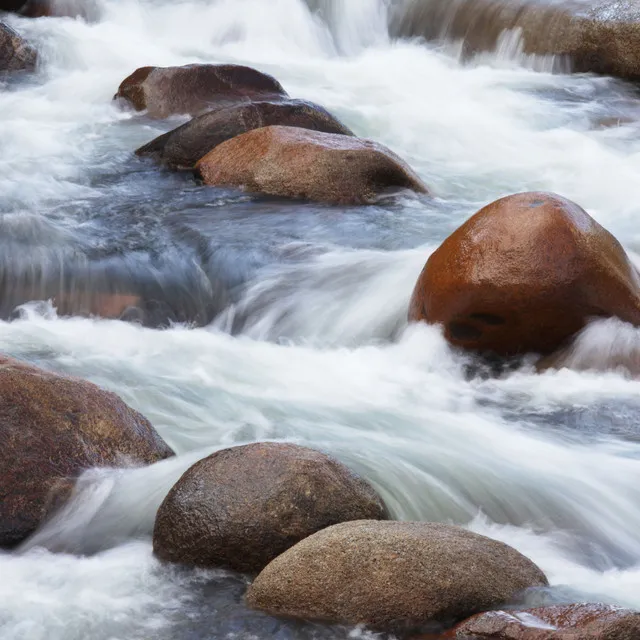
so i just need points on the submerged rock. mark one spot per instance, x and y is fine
(241, 507)
(195, 88)
(184, 146)
(52, 428)
(561, 622)
(602, 36)
(15, 53)
(86, 9)
(296, 163)
(392, 576)
(524, 274)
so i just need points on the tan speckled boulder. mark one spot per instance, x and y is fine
(392, 576)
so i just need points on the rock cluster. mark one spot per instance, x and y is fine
(249, 134)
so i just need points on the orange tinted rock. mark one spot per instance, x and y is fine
(52, 428)
(524, 274)
(297, 163)
(94, 303)
(195, 88)
(562, 622)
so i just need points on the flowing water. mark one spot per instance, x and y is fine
(287, 321)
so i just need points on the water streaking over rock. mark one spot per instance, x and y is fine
(287, 321)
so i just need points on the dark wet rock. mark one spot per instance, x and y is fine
(195, 88)
(184, 146)
(241, 507)
(561, 622)
(602, 36)
(11, 5)
(393, 576)
(15, 53)
(525, 274)
(52, 428)
(297, 163)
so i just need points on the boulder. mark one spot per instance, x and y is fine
(184, 146)
(297, 163)
(602, 36)
(241, 507)
(194, 88)
(561, 622)
(15, 53)
(52, 428)
(524, 274)
(392, 576)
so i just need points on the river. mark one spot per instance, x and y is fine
(304, 306)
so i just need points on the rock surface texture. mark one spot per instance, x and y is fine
(562, 622)
(392, 576)
(15, 53)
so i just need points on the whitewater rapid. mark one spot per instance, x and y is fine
(309, 342)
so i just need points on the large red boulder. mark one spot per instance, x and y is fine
(195, 88)
(525, 274)
(298, 163)
(52, 428)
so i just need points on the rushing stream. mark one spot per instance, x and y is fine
(301, 309)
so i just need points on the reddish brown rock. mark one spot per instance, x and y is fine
(195, 88)
(184, 146)
(296, 163)
(562, 622)
(113, 305)
(524, 274)
(52, 428)
(392, 576)
(241, 507)
(15, 53)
